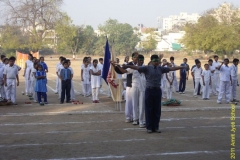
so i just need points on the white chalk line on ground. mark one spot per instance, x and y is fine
(76, 143)
(170, 109)
(146, 155)
(112, 130)
(56, 123)
(59, 113)
(107, 121)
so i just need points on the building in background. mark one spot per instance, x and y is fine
(178, 21)
(160, 23)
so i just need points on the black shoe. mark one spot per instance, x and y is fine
(149, 131)
(157, 131)
(68, 102)
(61, 102)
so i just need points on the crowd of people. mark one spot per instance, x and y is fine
(144, 87)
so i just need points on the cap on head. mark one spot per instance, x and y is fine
(154, 58)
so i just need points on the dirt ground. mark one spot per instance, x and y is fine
(196, 130)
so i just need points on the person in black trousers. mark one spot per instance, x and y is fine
(153, 93)
(66, 78)
(183, 76)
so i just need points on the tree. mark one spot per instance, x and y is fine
(67, 35)
(150, 43)
(34, 17)
(214, 31)
(125, 40)
(88, 39)
(11, 39)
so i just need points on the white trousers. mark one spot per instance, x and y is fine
(27, 82)
(234, 89)
(72, 92)
(138, 103)
(169, 92)
(57, 84)
(128, 105)
(215, 83)
(197, 82)
(34, 94)
(224, 89)
(2, 90)
(124, 94)
(164, 87)
(175, 84)
(86, 89)
(206, 90)
(59, 88)
(11, 90)
(95, 92)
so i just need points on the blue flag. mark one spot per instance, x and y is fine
(106, 64)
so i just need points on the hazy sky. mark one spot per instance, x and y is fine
(95, 12)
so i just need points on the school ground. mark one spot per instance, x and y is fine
(198, 129)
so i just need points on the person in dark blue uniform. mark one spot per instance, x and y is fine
(183, 76)
(153, 93)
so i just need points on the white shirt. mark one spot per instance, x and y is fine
(85, 74)
(71, 70)
(197, 72)
(33, 72)
(170, 76)
(29, 64)
(216, 64)
(60, 67)
(234, 72)
(211, 68)
(225, 73)
(164, 75)
(138, 79)
(1, 70)
(11, 71)
(206, 74)
(58, 64)
(174, 65)
(95, 80)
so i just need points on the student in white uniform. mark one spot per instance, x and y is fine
(101, 66)
(2, 91)
(196, 73)
(28, 66)
(57, 79)
(164, 81)
(2, 66)
(33, 81)
(234, 75)
(175, 82)
(86, 78)
(2, 59)
(206, 82)
(216, 76)
(58, 71)
(72, 92)
(138, 93)
(128, 104)
(225, 81)
(95, 71)
(212, 69)
(170, 79)
(10, 77)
